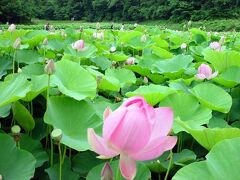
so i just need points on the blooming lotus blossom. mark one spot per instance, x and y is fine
(205, 72)
(79, 45)
(12, 28)
(183, 46)
(136, 131)
(215, 46)
(113, 49)
(130, 61)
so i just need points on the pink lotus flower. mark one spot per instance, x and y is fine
(136, 131)
(78, 45)
(205, 72)
(130, 61)
(215, 46)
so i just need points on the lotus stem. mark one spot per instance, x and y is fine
(60, 161)
(169, 166)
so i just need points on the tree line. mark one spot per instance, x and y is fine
(118, 10)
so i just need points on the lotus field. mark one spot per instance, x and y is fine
(139, 103)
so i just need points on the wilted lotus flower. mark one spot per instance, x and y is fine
(113, 49)
(78, 45)
(45, 41)
(215, 46)
(107, 173)
(50, 67)
(17, 43)
(205, 72)
(12, 28)
(144, 38)
(136, 131)
(183, 46)
(130, 61)
(222, 40)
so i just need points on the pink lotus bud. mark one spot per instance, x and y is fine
(222, 40)
(183, 46)
(107, 173)
(215, 46)
(113, 49)
(144, 38)
(17, 43)
(12, 28)
(137, 132)
(209, 34)
(1, 177)
(130, 61)
(45, 41)
(63, 34)
(205, 72)
(19, 70)
(50, 67)
(145, 80)
(98, 26)
(78, 45)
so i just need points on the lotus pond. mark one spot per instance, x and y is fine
(72, 101)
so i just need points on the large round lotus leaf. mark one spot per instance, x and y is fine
(109, 83)
(74, 81)
(117, 56)
(34, 147)
(142, 172)
(173, 67)
(126, 37)
(4, 66)
(209, 137)
(15, 164)
(73, 118)
(213, 97)
(28, 56)
(123, 75)
(230, 77)
(13, 89)
(34, 38)
(23, 116)
(160, 42)
(39, 84)
(5, 110)
(152, 93)
(162, 53)
(55, 44)
(223, 59)
(33, 69)
(187, 108)
(222, 162)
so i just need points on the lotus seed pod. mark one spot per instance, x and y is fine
(107, 173)
(50, 67)
(17, 43)
(56, 135)
(16, 130)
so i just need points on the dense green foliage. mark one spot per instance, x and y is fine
(98, 10)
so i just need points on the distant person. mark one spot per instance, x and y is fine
(47, 27)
